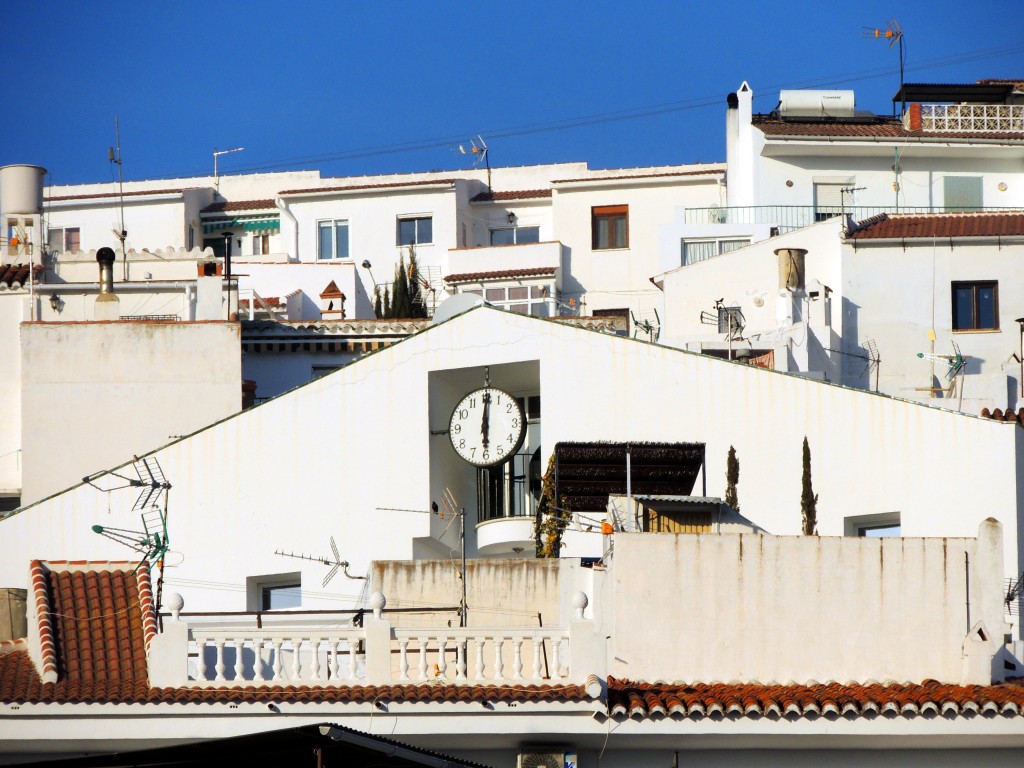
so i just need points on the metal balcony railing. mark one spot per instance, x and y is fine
(790, 217)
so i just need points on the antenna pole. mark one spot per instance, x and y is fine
(122, 235)
(462, 538)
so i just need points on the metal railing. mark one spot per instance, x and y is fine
(503, 491)
(790, 217)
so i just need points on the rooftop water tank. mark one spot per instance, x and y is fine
(816, 104)
(21, 189)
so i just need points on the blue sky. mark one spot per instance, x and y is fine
(361, 88)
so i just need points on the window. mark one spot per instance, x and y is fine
(515, 235)
(610, 225)
(332, 239)
(261, 244)
(64, 239)
(828, 201)
(976, 306)
(702, 250)
(525, 299)
(416, 231)
(961, 193)
(878, 526)
(274, 592)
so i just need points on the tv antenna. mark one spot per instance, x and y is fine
(956, 363)
(114, 157)
(645, 325)
(894, 34)
(1014, 593)
(335, 562)
(216, 154)
(728, 320)
(152, 542)
(478, 149)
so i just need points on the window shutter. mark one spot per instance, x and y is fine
(962, 192)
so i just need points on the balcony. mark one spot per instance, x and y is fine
(790, 217)
(505, 258)
(200, 654)
(965, 118)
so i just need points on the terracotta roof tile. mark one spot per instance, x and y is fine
(521, 194)
(653, 700)
(884, 128)
(142, 193)
(503, 274)
(225, 206)
(705, 172)
(16, 275)
(357, 187)
(930, 225)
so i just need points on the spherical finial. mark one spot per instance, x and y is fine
(580, 603)
(377, 603)
(174, 602)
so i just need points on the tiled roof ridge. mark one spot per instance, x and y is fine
(357, 187)
(510, 194)
(463, 277)
(239, 205)
(946, 224)
(38, 573)
(16, 275)
(9, 646)
(792, 700)
(147, 605)
(1008, 415)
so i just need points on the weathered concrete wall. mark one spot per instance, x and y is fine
(93, 392)
(761, 608)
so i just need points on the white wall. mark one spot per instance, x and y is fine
(13, 309)
(763, 608)
(92, 394)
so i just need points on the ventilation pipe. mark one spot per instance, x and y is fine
(107, 303)
(791, 268)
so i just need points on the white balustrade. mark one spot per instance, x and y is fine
(494, 650)
(474, 656)
(278, 657)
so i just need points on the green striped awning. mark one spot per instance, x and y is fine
(246, 225)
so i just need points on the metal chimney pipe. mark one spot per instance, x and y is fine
(105, 257)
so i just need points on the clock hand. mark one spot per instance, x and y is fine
(485, 425)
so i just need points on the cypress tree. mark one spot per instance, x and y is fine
(808, 498)
(377, 308)
(386, 307)
(400, 292)
(732, 478)
(417, 306)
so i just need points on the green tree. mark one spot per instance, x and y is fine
(732, 478)
(417, 306)
(378, 309)
(551, 520)
(808, 498)
(400, 292)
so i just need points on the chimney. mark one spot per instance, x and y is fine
(107, 303)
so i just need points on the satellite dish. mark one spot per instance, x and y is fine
(456, 305)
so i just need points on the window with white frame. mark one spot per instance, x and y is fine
(702, 250)
(332, 239)
(64, 239)
(515, 235)
(533, 300)
(261, 244)
(877, 526)
(274, 592)
(415, 230)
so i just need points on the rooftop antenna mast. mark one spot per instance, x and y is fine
(152, 542)
(115, 158)
(478, 148)
(335, 562)
(217, 154)
(894, 34)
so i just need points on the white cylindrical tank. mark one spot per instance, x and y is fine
(21, 189)
(816, 103)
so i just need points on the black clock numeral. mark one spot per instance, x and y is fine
(463, 414)
(515, 423)
(508, 407)
(487, 455)
(501, 450)
(456, 428)
(472, 453)
(462, 444)
(472, 402)
(511, 439)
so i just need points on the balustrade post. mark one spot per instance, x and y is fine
(479, 671)
(239, 666)
(276, 645)
(257, 660)
(423, 659)
(332, 664)
(314, 658)
(537, 642)
(201, 658)
(403, 660)
(296, 661)
(517, 659)
(460, 660)
(499, 664)
(442, 663)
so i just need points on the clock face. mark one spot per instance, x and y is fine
(487, 427)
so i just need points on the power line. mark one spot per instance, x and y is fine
(633, 113)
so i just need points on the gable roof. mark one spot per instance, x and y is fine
(930, 225)
(522, 194)
(500, 274)
(332, 291)
(239, 205)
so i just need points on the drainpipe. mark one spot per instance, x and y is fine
(282, 206)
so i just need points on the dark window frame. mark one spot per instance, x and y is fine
(617, 219)
(417, 238)
(976, 323)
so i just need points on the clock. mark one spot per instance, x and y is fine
(487, 427)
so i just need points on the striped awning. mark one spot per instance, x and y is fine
(253, 224)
